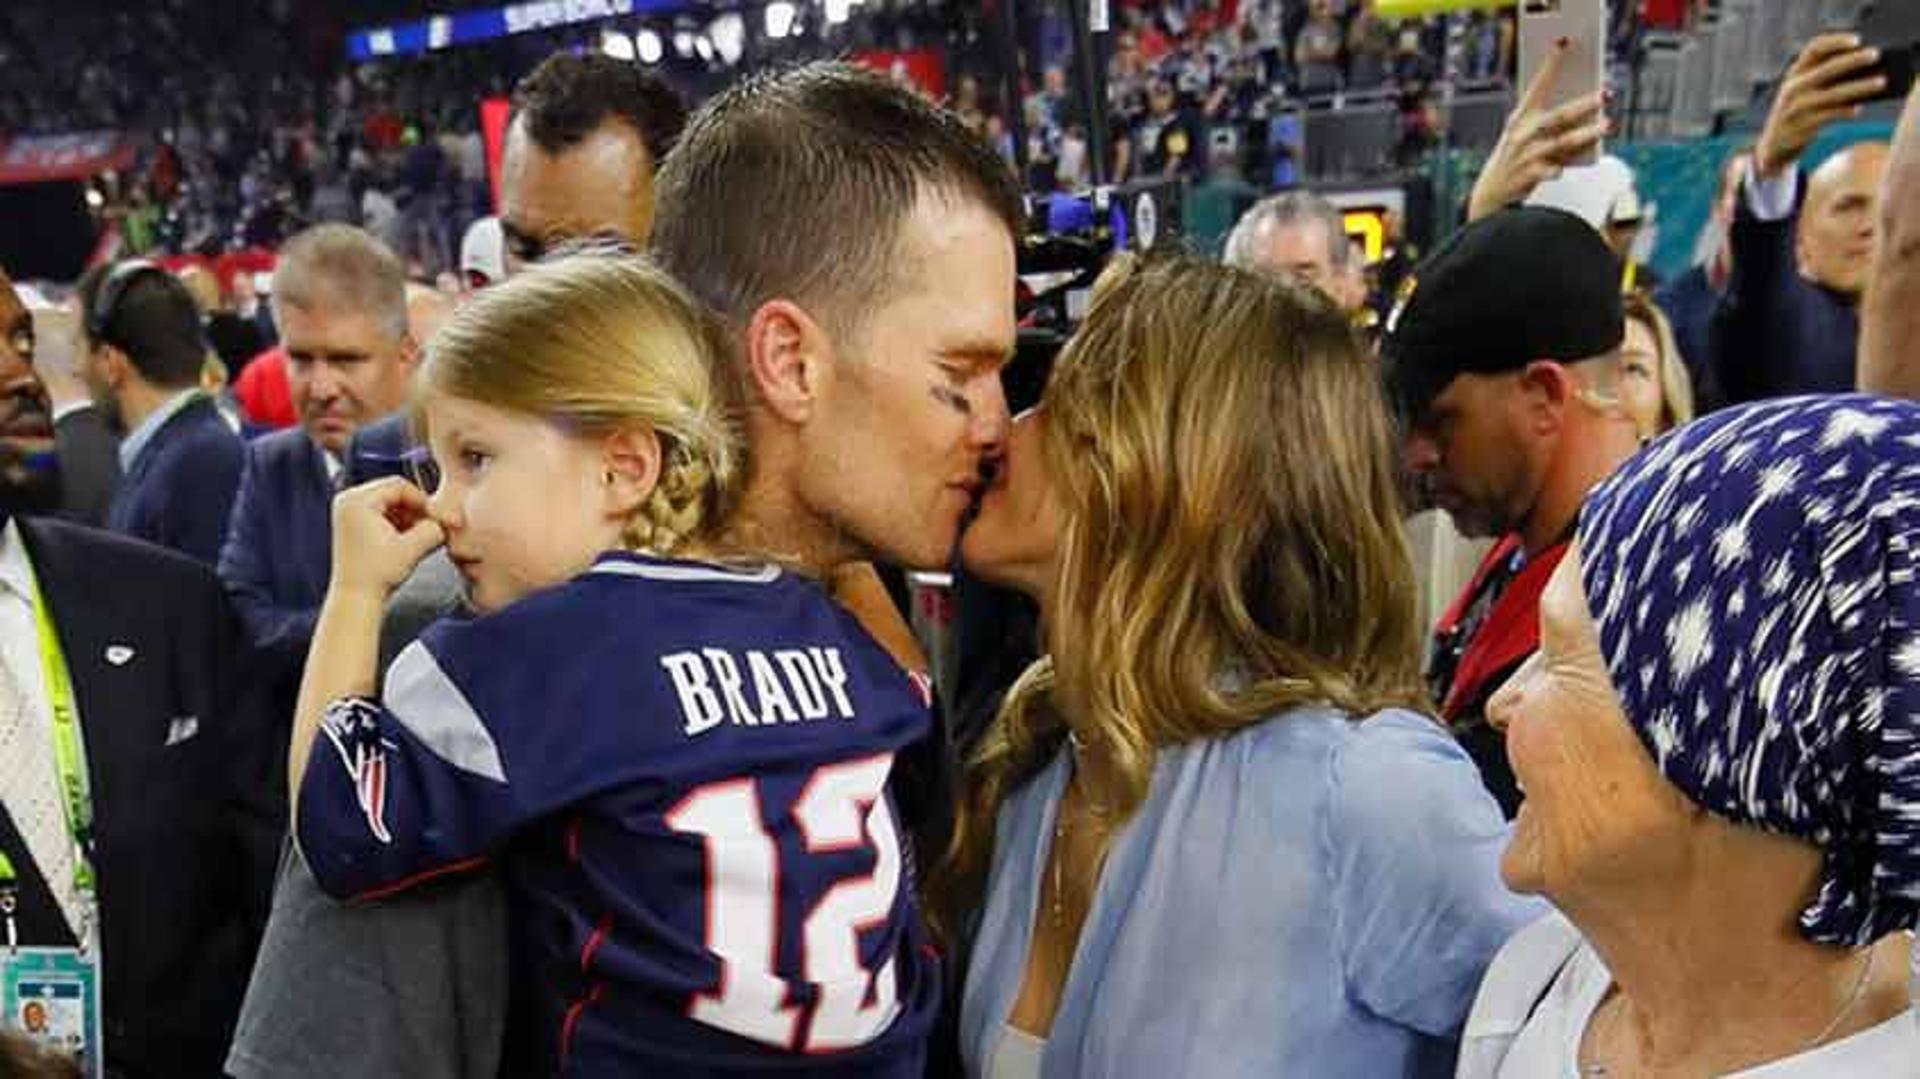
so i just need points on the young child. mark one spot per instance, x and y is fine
(680, 764)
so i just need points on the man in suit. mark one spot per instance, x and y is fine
(179, 459)
(1802, 245)
(340, 296)
(185, 810)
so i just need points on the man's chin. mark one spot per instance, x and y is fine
(29, 481)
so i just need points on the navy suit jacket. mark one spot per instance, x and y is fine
(188, 787)
(1689, 302)
(1774, 332)
(179, 491)
(278, 555)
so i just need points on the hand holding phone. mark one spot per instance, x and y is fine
(1829, 81)
(1570, 36)
(1540, 139)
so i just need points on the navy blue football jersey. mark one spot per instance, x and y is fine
(683, 770)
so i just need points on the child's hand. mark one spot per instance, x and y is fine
(381, 531)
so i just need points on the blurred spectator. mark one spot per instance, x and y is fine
(1051, 108)
(1316, 51)
(1654, 385)
(483, 255)
(234, 340)
(427, 310)
(1370, 43)
(1169, 136)
(1788, 322)
(1299, 235)
(262, 391)
(179, 461)
(966, 102)
(1689, 299)
(425, 178)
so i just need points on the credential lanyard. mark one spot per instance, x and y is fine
(69, 754)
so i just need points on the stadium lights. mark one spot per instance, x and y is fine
(649, 47)
(729, 34)
(683, 43)
(617, 45)
(704, 45)
(838, 11)
(780, 17)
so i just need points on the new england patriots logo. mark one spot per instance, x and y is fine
(352, 724)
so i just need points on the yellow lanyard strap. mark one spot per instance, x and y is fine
(69, 755)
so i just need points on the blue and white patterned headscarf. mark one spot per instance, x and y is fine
(1754, 579)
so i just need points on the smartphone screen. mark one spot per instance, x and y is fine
(1583, 24)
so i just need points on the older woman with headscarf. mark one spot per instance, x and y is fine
(1720, 744)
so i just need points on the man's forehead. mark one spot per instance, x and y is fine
(1288, 242)
(334, 323)
(602, 173)
(1855, 169)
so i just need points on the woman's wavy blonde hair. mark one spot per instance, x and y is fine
(1231, 543)
(598, 343)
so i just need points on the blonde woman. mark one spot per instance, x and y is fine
(679, 761)
(1655, 388)
(1212, 834)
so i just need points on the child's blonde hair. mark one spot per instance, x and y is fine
(598, 343)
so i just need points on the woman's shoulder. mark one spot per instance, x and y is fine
(1388, 749)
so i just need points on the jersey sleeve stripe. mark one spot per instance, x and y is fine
(420, 696)
(398, 886)
(766, 574)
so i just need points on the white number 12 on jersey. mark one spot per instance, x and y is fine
(842, 807)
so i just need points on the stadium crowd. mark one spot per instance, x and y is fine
(491, 640)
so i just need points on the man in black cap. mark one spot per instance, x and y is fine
(1503, 359)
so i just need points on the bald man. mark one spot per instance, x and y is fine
(1803, 245)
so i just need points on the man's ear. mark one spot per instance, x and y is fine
(786, 355)
(114, 366)
(410, 351)
(632, 462)
(1546, 388)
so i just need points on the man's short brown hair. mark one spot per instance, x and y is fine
(340, 268)
(796, 184)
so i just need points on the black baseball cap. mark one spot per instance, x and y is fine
(1527, 283)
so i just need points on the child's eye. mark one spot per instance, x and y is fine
(474, 460)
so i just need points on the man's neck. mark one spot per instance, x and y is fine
(1591, 451)
(771, 522)
(140, 399)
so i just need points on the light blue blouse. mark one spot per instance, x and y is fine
(1310, 896)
